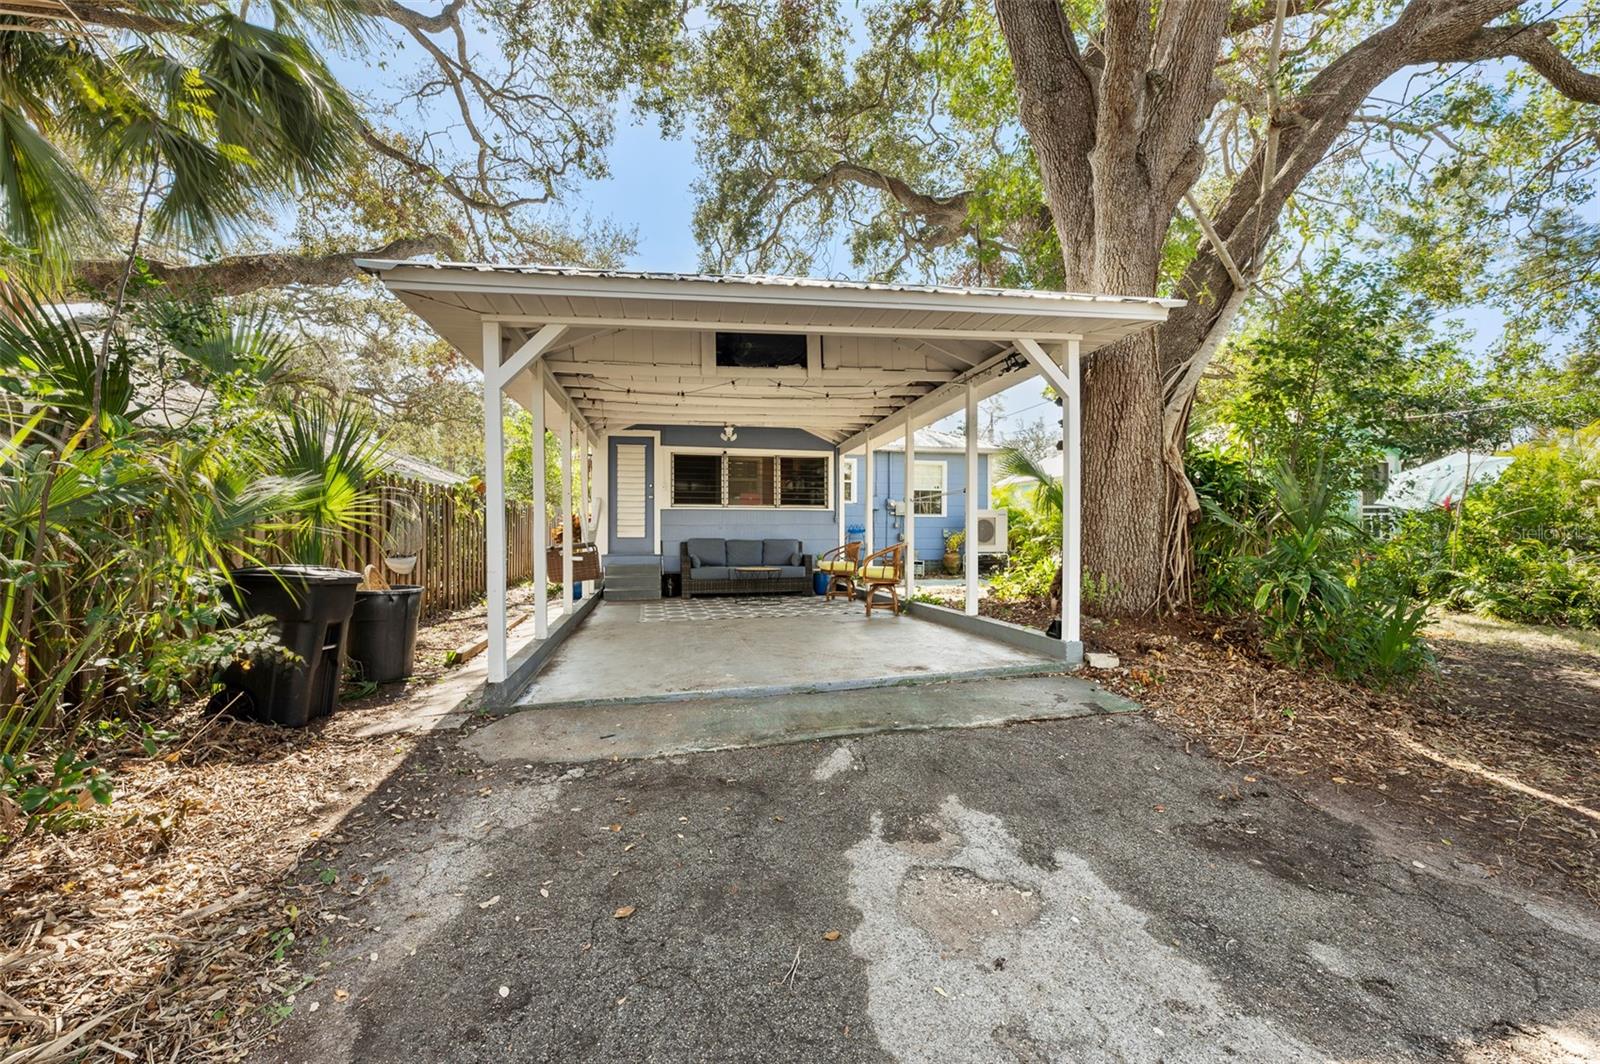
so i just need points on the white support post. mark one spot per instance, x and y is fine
(970, 537)
(602, 494)
(866, 486)
(1072, 500)
(911, 509)
(494, 474)
(839, 492)
(541, 513)
(566, 510)
(583, 486)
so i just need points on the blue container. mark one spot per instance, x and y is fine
(819, 583)
(577, 590)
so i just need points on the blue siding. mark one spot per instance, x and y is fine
(889, 482)
(818, 530)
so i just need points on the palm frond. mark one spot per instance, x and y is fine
(1046, 494)
(49, 207)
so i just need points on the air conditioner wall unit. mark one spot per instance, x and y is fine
(991, 529)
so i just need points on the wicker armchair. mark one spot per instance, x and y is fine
(840, 564)
(889, 571)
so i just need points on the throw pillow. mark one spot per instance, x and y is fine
(794, 557)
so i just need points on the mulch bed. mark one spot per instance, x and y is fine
(1493, 757)
(158, 929)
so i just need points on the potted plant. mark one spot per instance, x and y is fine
(952, 550)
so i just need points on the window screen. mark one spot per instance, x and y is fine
(761, 350)
(847, 471)
(750, 481)
(804, 481)
(696, 480)
(929, 493)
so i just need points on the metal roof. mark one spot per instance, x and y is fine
(378, 266)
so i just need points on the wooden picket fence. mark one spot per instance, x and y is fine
(450, 564)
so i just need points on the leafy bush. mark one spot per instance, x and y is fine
(1033, 531)
(1526, 547)
(1281, 552)
(132, 474)
(1232, 499)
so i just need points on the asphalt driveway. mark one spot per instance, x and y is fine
(1077, 890)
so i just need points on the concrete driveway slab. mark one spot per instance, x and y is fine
(1078, 890)
(755, 648)
(591, 733)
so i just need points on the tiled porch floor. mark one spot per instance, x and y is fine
(642, 651)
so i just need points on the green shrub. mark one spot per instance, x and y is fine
(116, 523)
(1280, 552)
(1233, 502)
(1525, 548)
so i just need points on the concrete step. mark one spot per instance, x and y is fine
(633, 579)
(617, 594)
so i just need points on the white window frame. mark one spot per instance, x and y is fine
(944, 488)
(849, 477)
(737, 452)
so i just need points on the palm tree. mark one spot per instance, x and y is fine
(1045, 495)
(204, 116)
(333, 451)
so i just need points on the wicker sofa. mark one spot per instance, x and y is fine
(744, 567)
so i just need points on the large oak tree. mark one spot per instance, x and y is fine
(1124, 146)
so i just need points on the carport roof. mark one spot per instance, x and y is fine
(945, 337)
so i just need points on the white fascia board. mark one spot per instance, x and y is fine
(413, 277)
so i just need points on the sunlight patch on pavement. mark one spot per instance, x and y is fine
(973, 954)
(841, 759)
(1541, 1045)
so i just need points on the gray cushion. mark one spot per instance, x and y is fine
(742, 552)
(780, 552)
(708, 552)
(787, 571)
(711, 572)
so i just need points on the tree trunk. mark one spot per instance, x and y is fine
(1124, 479)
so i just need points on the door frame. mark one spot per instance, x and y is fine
(653, 471)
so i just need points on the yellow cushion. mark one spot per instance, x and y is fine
(837, 565)
(879, 572)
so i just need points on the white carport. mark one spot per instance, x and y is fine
(591, 352)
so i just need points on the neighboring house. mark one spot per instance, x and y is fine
(1443, 481)
(940, 490)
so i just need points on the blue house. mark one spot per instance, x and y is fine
(769, 483)
(940, 490)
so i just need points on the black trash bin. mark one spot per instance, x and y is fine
(312, 605)
(383, 632)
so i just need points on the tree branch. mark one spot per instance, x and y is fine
(948, 212)
(415, 20)
(238, 274)
(1057, 99)
(1531, 44)
(1257, 13)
